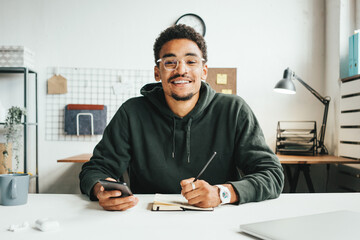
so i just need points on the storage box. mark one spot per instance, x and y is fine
(16, 56)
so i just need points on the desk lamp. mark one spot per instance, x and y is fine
(287, 86)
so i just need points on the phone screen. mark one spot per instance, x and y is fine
(110, 185)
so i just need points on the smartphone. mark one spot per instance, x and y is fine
(110, 185)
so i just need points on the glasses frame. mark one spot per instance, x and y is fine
(177, 62)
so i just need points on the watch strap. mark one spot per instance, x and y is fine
(225, 194)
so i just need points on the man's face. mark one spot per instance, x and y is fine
(184, 82)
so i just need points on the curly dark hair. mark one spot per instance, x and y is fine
(178, 32)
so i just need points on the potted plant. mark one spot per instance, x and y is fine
(13, 137)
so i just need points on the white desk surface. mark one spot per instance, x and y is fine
(80, 218)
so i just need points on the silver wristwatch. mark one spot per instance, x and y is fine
(225, 195)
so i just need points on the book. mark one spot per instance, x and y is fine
(356, 55)
(351, 55)
(174, 202)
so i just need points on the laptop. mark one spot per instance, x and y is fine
(331, 225)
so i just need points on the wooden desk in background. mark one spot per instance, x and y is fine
(302, 163)
(82, 158)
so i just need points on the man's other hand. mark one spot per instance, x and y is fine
(203, 195)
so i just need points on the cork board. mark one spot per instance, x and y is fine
(222, 80)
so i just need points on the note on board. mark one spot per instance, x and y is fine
(226, 91)
(221, 78)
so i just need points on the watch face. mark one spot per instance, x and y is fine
(225, 195)
(193, 21)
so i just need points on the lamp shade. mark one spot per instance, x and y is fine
(285, 85)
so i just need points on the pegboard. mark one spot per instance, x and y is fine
(110, 87)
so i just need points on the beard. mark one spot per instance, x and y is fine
(185, 98)
(177, 97)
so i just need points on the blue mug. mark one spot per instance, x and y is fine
(14, 189)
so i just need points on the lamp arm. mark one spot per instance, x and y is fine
(326, 102)
(315, 93)
(321, 144)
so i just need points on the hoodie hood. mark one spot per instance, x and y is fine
(155, 94)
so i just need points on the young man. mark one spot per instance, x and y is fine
(165, 137)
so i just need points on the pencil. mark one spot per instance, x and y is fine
(206, 165)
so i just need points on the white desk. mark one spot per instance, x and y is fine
(80, 218)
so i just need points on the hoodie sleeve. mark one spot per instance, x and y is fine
(111, 155)
(264, 178)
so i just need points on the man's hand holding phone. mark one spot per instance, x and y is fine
(114, 200)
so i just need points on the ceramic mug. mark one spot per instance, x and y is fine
(14, 189)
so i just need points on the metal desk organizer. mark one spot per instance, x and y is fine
(85, 119)
(296, 137)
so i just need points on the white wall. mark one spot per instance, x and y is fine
(332, 72)
(357, 17)
(260, 38)
(341, 21)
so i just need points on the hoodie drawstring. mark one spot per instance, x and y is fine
(173, 151)
(188, 139)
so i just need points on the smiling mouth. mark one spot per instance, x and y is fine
(181, 81)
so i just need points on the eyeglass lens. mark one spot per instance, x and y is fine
(171, 63)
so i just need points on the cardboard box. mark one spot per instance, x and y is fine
(16, 56)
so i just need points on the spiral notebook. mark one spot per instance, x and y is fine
(174, 202)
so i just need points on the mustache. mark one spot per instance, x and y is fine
(178, 75)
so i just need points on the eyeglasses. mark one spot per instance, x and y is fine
(171, 63)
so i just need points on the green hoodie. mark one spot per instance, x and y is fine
(159, 149)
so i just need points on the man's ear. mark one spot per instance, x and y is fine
(157, 73)
(204, 72)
